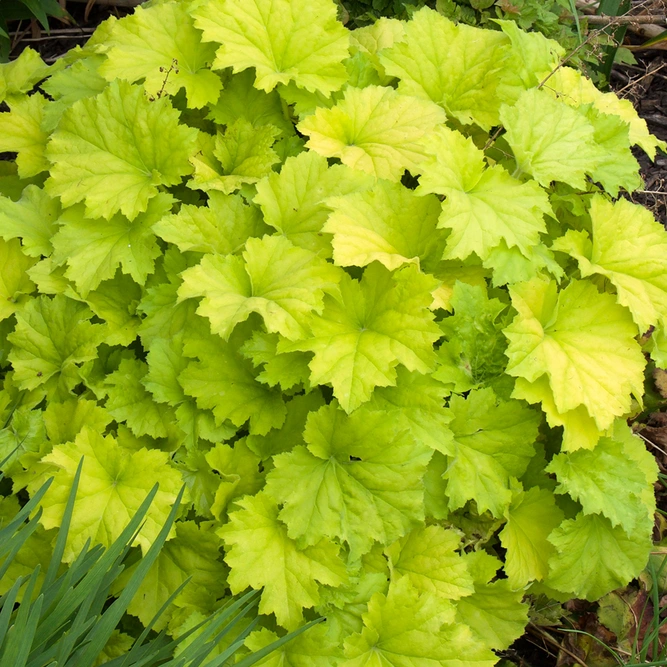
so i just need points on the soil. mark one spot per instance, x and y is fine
(645, 84)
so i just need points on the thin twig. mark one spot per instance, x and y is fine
(553, 642)
(605, 19)
(61, 32)
(641, 78)
(650, 442)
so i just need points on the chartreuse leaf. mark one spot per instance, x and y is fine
(314, 647)
(130, 402)
(531, 518)
(114, 482)
(281, 282)
(21, 132)
(418, 400)
(14, 281)
(242, 154)
(406, 629)
(607, 481)
(284, 40)
(94, 249)
(483, 206)
(628, 247)
(388, 224)
(239, 469)
(260, 554)
(584, 343)
(492, 445)
(592, 557)
(366, 44)
(575, 89)
(616, 166)
(99, 157)
(358, 479)
(533, 55)
(374, 325)
(51, 339)
(550, 140)
(240, 99)
(218, 369)
(469, 89)
(472, 354)
(222, 226)
(292, 201)
(22, 441)
(374, 130)
(428, 557)
(494, 612)
(161, 45)
(32, 219)
(20, 76)
(191, 554)
(65, 420)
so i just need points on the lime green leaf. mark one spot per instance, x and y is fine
(532, 53)
(115, 301)
(405, 629)
(472, 354)
(239, 469)
(32, 219)
(365, 46)
(605, 480)
(418, 400)
(313, 648)
(483, 206)
(550, 140)
(279, 281)
(21, 132)
(287, 369)
(114, 482)
(65, 420)
(593, 557)
(428, 557)
(192, 553)
(579, 429)
(629, 249)
(20, 76)
(494, 612)
(129, 401)
(240, 99)
(219, 368)
(359, 480)
(22, 441)
(469, 87)
(373, 129)
(290, 434)
(66, 86)
(51, 339)
(616, 167)
(161, 45)
(293, 200)
(260, 554)
(242, 154)
(582, 340)
(94, 249)
(388, 224)
(99, 157)
(575, 89)
(222, 226)
(531, 517)
(493, 443)
(368, 330)
(14, 281)
(284, 40)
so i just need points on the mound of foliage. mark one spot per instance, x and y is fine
(369, 294)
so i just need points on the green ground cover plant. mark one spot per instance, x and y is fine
(371, 294)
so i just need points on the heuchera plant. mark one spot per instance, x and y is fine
(370, 294)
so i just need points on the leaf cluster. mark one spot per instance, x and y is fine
(371, 295)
